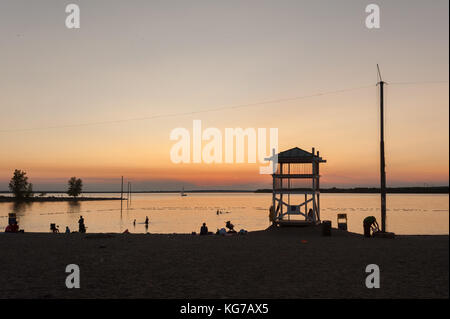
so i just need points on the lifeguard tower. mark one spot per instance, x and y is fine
(296, 194)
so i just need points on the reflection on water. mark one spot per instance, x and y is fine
(20, 207)
(171, 213)
(74, 207)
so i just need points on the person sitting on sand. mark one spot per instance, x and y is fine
(12, 228)
(54, 228)
(204, 230)
(230, 226)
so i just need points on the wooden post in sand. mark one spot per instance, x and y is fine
(121, 196)
(121, 191)
(128, 193)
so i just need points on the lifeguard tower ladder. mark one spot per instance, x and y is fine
(296, 188)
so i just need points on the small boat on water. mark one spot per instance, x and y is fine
(182, 193)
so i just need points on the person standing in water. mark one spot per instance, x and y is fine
(146, 224)
(204, 230)
(81, 226)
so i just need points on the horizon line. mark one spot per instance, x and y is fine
(235, 190)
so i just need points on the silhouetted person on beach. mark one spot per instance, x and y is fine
(310, 214)
(230, 226)
(134, 222)
(204, 230)
(81, 226)
(146, 220)
(370, 224)
(12, 228)
(54, 228)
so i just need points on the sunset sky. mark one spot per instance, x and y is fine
(100, 102)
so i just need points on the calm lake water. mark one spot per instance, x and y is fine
(171, 213)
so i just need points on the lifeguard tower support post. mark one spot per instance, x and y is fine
(296, 187)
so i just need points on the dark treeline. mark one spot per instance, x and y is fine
(370, 190)
(362, 190)
(8, 199)
(149, 192)
(22, 189)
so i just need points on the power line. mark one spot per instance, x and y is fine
(168, 115)
(419, 82)
(217, 109)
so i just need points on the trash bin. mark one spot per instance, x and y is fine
(326, 228)
(342, 221)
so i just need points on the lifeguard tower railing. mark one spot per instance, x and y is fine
(296, 187)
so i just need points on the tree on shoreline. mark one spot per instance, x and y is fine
(75, 187)
(19, 185)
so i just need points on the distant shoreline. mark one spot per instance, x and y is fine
(374, 190)
(8, 199)
(354, 190)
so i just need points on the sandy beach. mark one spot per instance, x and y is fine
(276, 263)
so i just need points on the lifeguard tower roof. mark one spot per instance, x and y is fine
(297, 155)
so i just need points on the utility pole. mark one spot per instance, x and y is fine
(382, 157)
